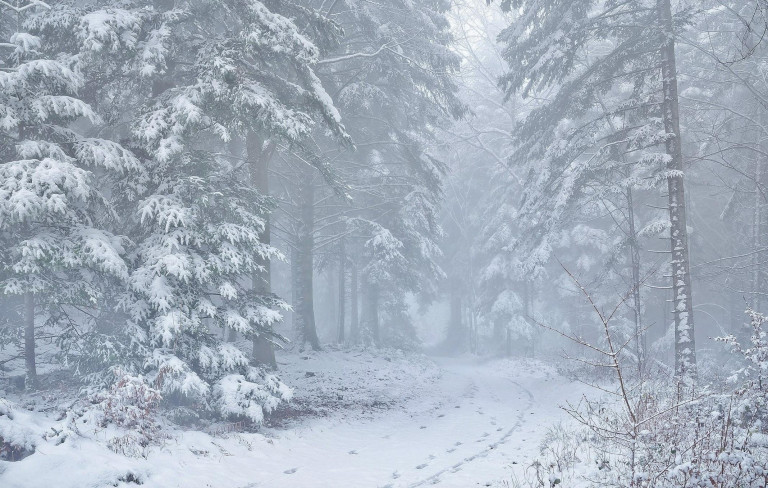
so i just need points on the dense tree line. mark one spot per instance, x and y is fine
(151, 149)
(600, 130)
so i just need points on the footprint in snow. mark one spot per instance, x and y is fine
(431, 456)
(441, 415)
(499, 429)
(421, 466)
(423, 427)
(486, 434)
(290, 471)
(458, 443)
(451, 449)
(353, 451)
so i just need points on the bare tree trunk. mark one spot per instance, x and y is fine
(456, 336)
(342, 290)
(757, 234)
(527, 312)
(295, 318)
(354, 319)
(259, 155)
(685, 345)
(30, 381)
(371, 309)
(634, 254)
(305, 301)
(634, 249)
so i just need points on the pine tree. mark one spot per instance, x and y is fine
(55, 220)
(191, 81)
(394, 61)
(601, 62)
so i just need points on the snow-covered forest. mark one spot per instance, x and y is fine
(384, 243)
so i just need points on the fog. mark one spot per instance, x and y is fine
(383, 243)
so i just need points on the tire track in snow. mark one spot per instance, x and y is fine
(435, 477)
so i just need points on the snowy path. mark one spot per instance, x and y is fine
(468, 430)
(470, 424)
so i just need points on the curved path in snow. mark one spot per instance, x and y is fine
(474, 424)
(479, 424)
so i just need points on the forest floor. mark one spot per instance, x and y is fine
(357, 420)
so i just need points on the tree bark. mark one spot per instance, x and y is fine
(685, 345)
(634, 250)
(259, 155)
(295, 318)
(305, 307)
(527, 313)
(30, 381)
(342, 290)
(508, 342)
(757, 239)
(354, 319)
(456, 335)
(371, 308)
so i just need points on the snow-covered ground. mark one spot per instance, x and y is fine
(357, 420)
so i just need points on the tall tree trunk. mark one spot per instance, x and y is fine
(30, 381)
(456, 336)
(354, 319)
(757, 238)
(634, 250)
(634, 253)
(342, 290)
(371, 312)
(259, 155)
(305, 305)
(685, 345)
(295, 285)
(527, 312)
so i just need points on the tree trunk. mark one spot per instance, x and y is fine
(342, 290)
(295, 318)
(305, 306)
(527, 313)
(757, 239)
(354, 319)
(634, 250)
(456, 336)
(685, 345)
(259, 155)
(371, 308)
(30, 381)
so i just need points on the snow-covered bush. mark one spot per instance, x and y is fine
(252, 396)
(131, 406)
(750, 378)
(655, 433)
(18, 437)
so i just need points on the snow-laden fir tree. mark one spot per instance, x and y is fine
(402, 89)
(186, 83)
(57, 250)
(609, 125)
